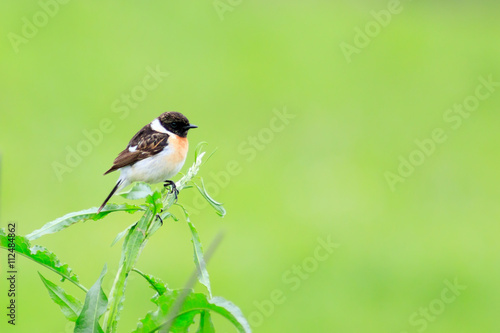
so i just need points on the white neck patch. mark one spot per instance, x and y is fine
(158, 127)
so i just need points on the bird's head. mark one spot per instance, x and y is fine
(176, 123)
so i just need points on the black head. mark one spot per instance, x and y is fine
(176, 123)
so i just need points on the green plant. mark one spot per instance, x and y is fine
(176, 309)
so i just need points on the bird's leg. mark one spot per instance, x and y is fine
(159, 218)
(173, 189)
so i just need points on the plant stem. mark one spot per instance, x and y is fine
(132, 248)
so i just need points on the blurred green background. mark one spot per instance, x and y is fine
(321, 174)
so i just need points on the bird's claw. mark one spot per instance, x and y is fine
(173, 188)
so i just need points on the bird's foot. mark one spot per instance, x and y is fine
(159, 218)
(173, 188)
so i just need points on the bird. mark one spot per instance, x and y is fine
(154, 154)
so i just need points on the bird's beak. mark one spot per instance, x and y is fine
(191, 126)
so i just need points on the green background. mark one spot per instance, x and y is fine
(322, 175)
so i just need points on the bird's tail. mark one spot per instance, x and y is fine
(120, 181)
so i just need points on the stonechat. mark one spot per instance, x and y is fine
(155, 154)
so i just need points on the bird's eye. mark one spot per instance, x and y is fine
(174, 124)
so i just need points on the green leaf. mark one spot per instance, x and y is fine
(140, 190)
(164, 303)
(156, 203)
(155, 200)
(158, 285)
(133, 244)
(94, 307)
(83, 215)
(216, 205)
(209, 156)
(198, 258)
(175, 218)
(186, 213)
(183, 322)
(70, 306)
(206, 325)
(231, 312)
(194, 303)
(198, 149)
(123, 233)
(42, 256)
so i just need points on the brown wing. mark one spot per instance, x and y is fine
(146, 142)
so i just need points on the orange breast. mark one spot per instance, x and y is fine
(180, 147)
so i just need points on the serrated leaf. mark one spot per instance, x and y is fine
(70, 306)
(140, 190)
(164, 303)
(199, 261)
(216, 205)
(155, 283)
(83, 215)
(206, 325)
(93, 308)
(155, 199)
(42, 256)
(182, 323)
(194, 303)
